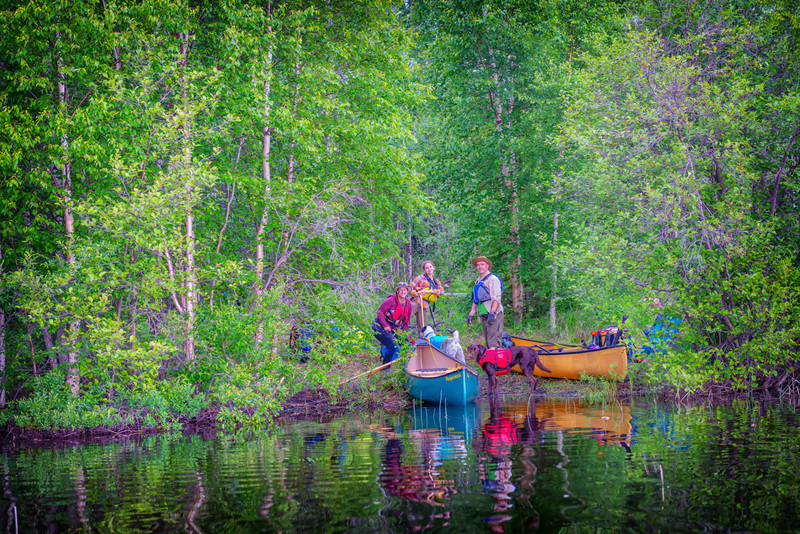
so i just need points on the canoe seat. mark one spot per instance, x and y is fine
(434, 370)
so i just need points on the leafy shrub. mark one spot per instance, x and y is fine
(248, 400)
(51, 406)
(228, 330)
(164, 403)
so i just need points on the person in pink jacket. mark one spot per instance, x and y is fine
(393, 315)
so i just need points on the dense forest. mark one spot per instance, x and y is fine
(184, 181)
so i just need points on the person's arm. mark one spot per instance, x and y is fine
(385, 307)
(494, 292)
(439, 287)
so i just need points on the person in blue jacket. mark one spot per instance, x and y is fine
(486, 302)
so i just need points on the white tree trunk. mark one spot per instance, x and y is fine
(266, 177)
(555, 275)
(72, 378)
(190, 282)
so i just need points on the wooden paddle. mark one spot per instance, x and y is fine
(422, 313)
(370, 372)
(373, 371)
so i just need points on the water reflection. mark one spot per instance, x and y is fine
(415, 482)
(412, 461)
(512, 466)
(458, 422)
(608, 424)
(505, 429)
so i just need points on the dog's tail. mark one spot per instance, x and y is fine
(537, 362)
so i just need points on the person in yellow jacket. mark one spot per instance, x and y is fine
(425, 290)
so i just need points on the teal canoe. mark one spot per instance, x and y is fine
(433, 376)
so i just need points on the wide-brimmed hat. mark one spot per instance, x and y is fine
(398, 285)
(481, 258)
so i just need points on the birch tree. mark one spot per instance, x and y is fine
(48, 53)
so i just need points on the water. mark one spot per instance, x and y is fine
(522, 466)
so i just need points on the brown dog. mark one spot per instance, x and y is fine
(525, 357)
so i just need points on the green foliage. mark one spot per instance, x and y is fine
(227, 331)
(231, 171)
(163, 404)
(598, 390)
(204, 136)
(667, 177)
(498, 69)
(747, 311)
(685, 372)
(51, 406)
(249, 397)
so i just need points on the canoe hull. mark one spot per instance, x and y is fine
(457, 388)
(433, 376)
(571, 361)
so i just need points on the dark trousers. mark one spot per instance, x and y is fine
(388, 340)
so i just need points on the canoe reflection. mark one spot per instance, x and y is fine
(511, 443)
(450, 421)
(412, 467)
(609, 424)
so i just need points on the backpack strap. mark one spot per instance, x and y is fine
(432, 282)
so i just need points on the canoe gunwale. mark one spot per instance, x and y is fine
(455, 364)
(434, 385)
(573, 360)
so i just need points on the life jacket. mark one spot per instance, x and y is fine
(481, 294)
(396, 316)
(501, 358)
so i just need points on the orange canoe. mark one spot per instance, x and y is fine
(570, 361)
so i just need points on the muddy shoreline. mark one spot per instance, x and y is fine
(316, 404)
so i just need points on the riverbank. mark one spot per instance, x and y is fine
(352, 387)
(379, 391)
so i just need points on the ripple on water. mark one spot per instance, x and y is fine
(516, 466)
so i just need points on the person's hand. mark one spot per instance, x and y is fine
(387, 328)
(491, 317)
(469, 320)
